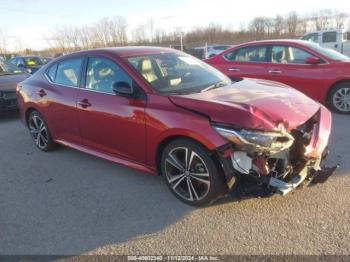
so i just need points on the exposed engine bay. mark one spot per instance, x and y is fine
(279, 163)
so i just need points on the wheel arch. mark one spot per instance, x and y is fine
(164, 142)
(346, 80)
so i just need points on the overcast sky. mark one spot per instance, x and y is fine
(31, 21)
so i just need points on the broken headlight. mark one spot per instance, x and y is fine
(257, 141)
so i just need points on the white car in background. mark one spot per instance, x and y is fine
(336, 39)
(212, 50)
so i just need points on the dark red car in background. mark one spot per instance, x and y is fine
(164, 112)
(322, 74)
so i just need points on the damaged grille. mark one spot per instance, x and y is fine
(285, 164)
(302, 136)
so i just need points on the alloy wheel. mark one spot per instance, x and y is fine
(187, 174)
(38, 131)
(341, 99)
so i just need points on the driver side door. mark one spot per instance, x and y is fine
(110, 123)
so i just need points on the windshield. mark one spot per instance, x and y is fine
(177, 73)
(32, 61)
(8, 69)
(330, 53)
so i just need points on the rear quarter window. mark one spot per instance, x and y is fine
(51, 72)
(68, 72)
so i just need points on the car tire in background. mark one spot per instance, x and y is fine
(40, 132)
(339, 98)
(191, 173)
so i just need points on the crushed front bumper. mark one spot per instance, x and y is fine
(311, 174)
(306, 171)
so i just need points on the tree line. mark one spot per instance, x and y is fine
(111, 32)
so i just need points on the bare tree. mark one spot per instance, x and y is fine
(139, 34)
(269, 25)
(340, 18)
(85, 37)
(150, 29)
(279, 24)
(58, 39)
(3, 42)
(113, 31)
(258, 26)
(323, 19)
(303, 26)
(160, 36)
(17, 45)
(121, 27)
(292, 23)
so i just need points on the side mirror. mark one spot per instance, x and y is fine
(123, 88)
(313, 60)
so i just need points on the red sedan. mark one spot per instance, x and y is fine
(164, 112)
(322, 74)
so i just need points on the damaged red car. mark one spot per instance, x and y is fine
(166, 113)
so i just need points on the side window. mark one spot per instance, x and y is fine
(311, 37)
(68, 72)
(102, 73)
(329, 37)
(248, 54)
(51, 72)
(288, 55)
(20, 61)
(230, 55)
(13, 61)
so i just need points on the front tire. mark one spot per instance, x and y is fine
(339, 98)
(40, 132)
(191, 173)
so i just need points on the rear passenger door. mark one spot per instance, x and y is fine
(250, 61)
(59, 96)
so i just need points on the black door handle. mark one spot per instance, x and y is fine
(41, 93)
(84, 103)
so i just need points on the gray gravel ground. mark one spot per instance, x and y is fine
(67, 202)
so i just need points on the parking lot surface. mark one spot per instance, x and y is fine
(66, 202)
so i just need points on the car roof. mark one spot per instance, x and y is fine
(129, 51)
(276, 41)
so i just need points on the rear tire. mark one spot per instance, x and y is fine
(191, 173)
(339, 98)
(40, 132)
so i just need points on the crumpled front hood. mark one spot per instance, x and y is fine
(9, 82)
(253, 104)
